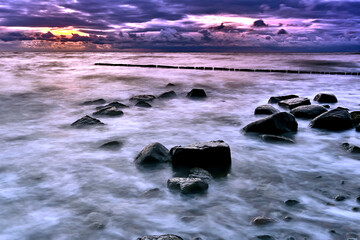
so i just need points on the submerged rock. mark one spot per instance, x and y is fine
(169, 94)
(325, 98)
(200, 173)
(262, 220)
(291, 202)
(94, 102)
(143, 98)
(351, 148)
(355, 116)
(86, 121)
(275, 124)
(357, 128)
(170, 85)
(309, 111)
(154, 153)
(96, 220)
(109, 112)
(117, 105)
(294, 102)
(277, 99)
(112, 145)
(196, 93)
(265, 237)
(213, 156)
(276, 139)
(265, 109)
(334, 120)
(339, 198)
(188, 185)
(143, 104)
(160, 237)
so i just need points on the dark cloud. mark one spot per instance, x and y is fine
(282, 31)
(259, 23)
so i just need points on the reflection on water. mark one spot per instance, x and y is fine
(55, 179)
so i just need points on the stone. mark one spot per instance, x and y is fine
(358, 199)
(112, 145)
(294, 102)
(200, 173)
(95, 102)
(276, 139)
(160, 237)
(334, 120)
(339, 198)
(355, 116)
(143, 104)
(109, 112)
(170, 94)
(96, 220)
(326, 106)
(351, 148)
(214, 156)
(86, 121)
(152, 154)
(357, 128)
(291, 202)
(170, 85)
(196, 93)
(262, 220)
(308, 112)
(117, 105)
(144, 98)
(277, 99)
(265, 109)
(152, 193)
(356, 209)
(188, 185)
(325, 98)
(277, 123)
(265, 237)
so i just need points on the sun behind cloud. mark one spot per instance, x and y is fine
(67, 32)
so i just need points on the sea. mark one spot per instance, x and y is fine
(57, 183)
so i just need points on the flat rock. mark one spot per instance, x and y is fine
(351, 148)
(117, 105)
(265, 109)
(294, 102)
(214, 156)
(262, 220)
(277, 99)
(94, 102)
(152, 154)
(355, 116)
(276, 139)
(86, 121)
(200, 173)
(325, 98)
(145, 98)
(277, 123)
(109, 112)
(160, 237)
(112, 145)
(196, 93)
(143, 104)
(333, 120)
(169, 94)
(308, 112)
(188, 185)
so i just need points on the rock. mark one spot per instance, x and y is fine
(200, 173)
(94, 102)
(262, 220)
(355, 116)
(276, 139)
(291, 202)
(152, 154)
(169, 94)
(309, 111)
(113, 145)
(356, 209)
(326, 106)
(280, 98)
(265, 109)
(335, 120)
(188, 185)
(144, 98)
(287, 218)
(143, 104)
(152, 193)
(275, 124)
(196, 93)
(96, 220)
(357, 128)
(351, 148)
(160, 237)
(213, 156)
(294, 102)
(170, 85)
(86, 121)
(358, 199)
(265, 237)
(117, 105)
(109, 112)
(325, 98)
(340, 198)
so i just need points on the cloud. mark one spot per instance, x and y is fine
(259, 23)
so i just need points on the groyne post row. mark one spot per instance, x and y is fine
(227, 69)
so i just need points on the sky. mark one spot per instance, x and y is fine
(180, 25)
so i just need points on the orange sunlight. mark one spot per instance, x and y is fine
(68, 32)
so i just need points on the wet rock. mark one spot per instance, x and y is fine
(277, 99)
(196, 93)
(356, 209)
(188, 185)
(262, 220)
(112, 145)
(169, 94)
(325, 98)
(200, 173)
(326, 106)
(152, 193)
(357, 128)
(213, 156)
(109, 112)
(287, 218)
(276, 139)
(309, 111)
(160, 237)
(355, 116)
(86, 121)
(96, 220)
(351, 148)
(144, 98)
(152, 154)
(339, 198)
(170, 85)
(265, 109)
(358, 199)
(117, 105)
(291, 202)
(275, 124)
(143, 104)
(94, 102)
(265, 237)
(294, 102)
(335, 120)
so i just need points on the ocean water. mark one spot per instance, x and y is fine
(53, 176)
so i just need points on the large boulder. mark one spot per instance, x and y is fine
(160, 237)
(325, 98)
(265, 109)
(334, 120)
(152, 154)
(86, 121)
(309, 111)
(277, 99)
(277, 123)
(109, 112)
(294, 102)
(196, 93)
(213, 156)
(188, 185)
(143, 98)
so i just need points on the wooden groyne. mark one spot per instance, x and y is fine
(227, 69)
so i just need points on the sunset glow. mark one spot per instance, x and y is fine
(68, 32)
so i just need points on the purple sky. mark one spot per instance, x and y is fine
(186, 25)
